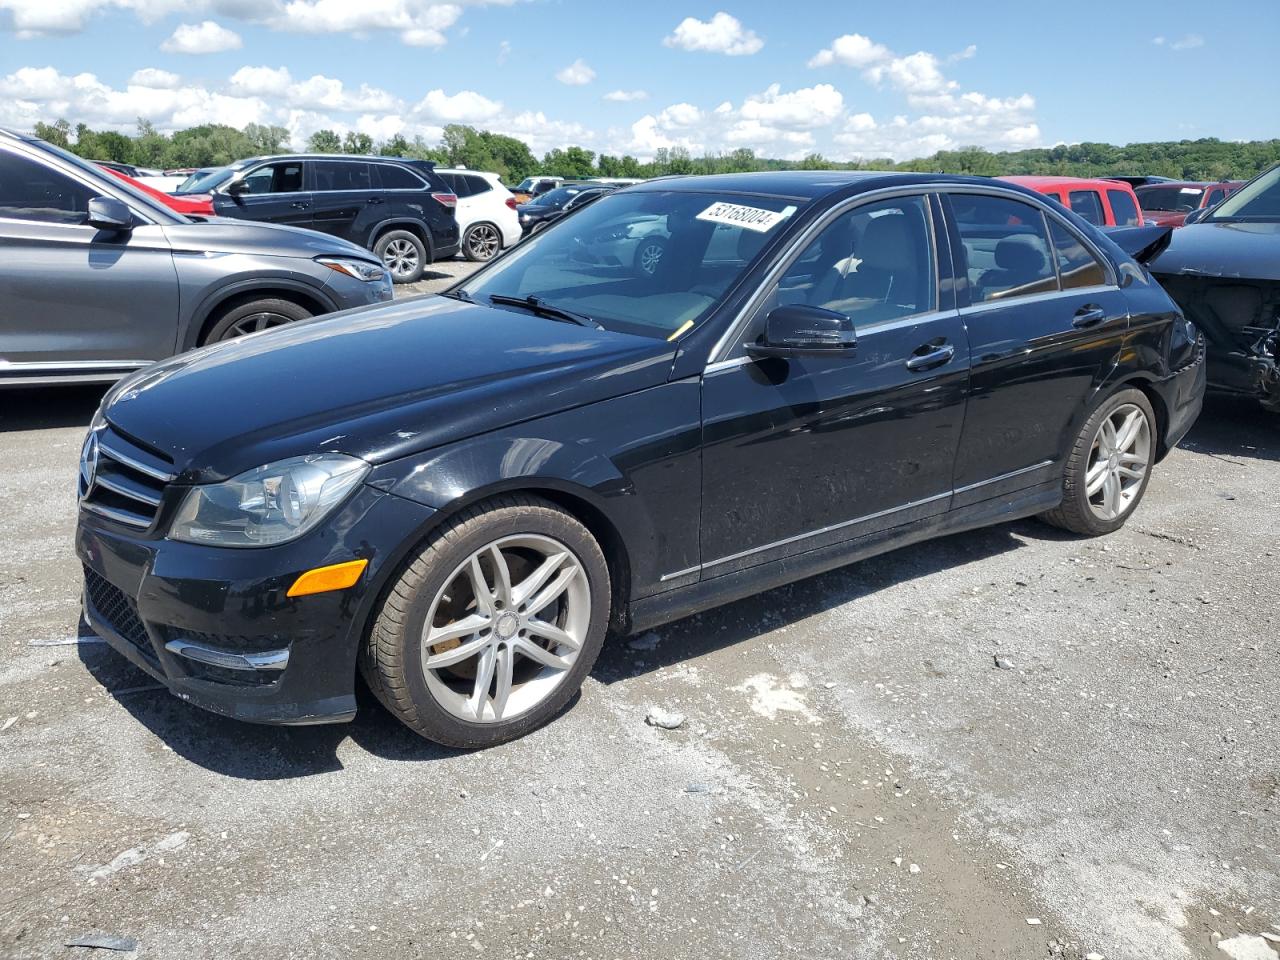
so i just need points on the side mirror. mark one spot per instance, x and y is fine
(1195, 216)
(796, 330)
(108, 213)
(237, 188)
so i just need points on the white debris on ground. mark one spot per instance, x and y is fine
(136, 855)
(666, 719)
(1246, 946)
(771, 696)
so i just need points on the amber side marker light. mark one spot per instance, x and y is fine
(337, 576)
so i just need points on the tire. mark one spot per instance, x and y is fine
(403, 254)
(438, 587)
(481, 242)
(1107, 508)
(648, 257)
(255, 315)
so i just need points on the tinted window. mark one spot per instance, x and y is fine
(873, 263)
(1077, 267)
(706, 241)
(1216, 194)
(32, 191)
(1259, 199)
(342, 175)
(1087, 204)
(1005, 246)
(477, 185)
(1124, 209)
(398, 178)
(283, 177)
(1170, 199)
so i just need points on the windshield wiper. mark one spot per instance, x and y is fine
(458, 295)
(543, 309)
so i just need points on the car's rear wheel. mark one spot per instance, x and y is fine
(481, 242)
(403, 254)
(1109, 466)
(253, 316)
(493, 626)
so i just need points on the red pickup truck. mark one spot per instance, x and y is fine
(1104, 203)
(1169, 203)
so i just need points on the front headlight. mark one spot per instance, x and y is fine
(360, 269)
(268, 505)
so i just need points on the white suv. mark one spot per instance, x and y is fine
(487, 221)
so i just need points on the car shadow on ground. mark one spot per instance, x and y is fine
(49, 408)
(1228, 430)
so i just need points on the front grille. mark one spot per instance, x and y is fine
(127, 482)
(118, 609)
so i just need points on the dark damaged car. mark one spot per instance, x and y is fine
(1224, 272)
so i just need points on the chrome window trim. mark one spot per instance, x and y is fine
(800, 241)
(983, 306)
(52, 365)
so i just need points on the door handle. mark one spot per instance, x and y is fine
(374, 200)
(1088, 315)
(300, 205)
(935, 356)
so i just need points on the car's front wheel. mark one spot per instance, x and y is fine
(481, 242)
(1109, 466)
(403, 254)
(255, 315)
(493, 626)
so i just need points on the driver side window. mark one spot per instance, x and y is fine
(274, 178)
(32, 191)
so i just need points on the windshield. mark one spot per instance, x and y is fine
(649, 263)
(558, 197)
(1259, 199)
(204, 182)
(153, 207)
(1169, 199)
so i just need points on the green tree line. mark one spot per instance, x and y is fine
(461, 145)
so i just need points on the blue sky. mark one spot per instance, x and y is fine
(846, 79)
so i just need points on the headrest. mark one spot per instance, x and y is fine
(1022, 254)
(886, 243)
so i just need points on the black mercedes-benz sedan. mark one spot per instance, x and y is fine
(460, 496)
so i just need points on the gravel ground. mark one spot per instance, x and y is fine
(855, 778)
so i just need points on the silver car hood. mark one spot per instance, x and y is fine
(226, 235)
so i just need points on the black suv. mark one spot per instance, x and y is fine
(402, 211)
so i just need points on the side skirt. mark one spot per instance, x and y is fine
(684, 601)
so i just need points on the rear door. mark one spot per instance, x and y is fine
(275, 192)
(345, 200)
(74, 299)
(813, 450)
(1046, 322)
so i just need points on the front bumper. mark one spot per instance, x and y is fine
(349, 292)
(214, 624)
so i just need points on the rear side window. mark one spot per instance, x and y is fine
(1005, 245)
(1124, 209)
(1077, 267)
(1087, 204)
(1216, 194)
(343, 175)
(32, 191)
(477, 185)
(397, 178)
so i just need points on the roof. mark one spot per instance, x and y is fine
(1199, 184)
(1036, 183)
(797, 184)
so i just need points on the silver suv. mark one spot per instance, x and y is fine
(97, 279)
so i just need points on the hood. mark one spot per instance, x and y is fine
(1249, 250)
(379, 384)
(227, 235)
(1141, 243)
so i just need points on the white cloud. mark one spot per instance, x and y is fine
(576, 74)
(626, 96)
(721, 34)
(156, 79)
(315, 93)
(851, 50)
(204, 37)
(465, 106)
(504, 51)
(1189, 42)
(800, 109)
(265, 81)
(31, 18)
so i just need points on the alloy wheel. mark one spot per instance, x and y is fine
(1118, 462)
(483, 242)
(650, 257)
(255, 322)
(506, 628)
(401, 258)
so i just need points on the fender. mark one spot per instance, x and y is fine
(265, 284)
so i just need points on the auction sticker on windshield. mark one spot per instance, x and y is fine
(749, 218)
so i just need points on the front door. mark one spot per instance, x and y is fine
(1046, 323)
(274, 192)
(804, 452)
(74, 298)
